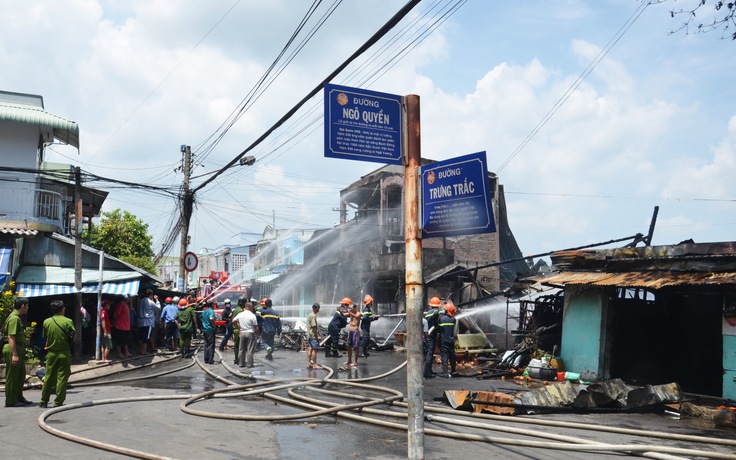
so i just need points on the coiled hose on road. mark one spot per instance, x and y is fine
(265, 386)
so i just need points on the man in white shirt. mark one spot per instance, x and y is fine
(246, 324)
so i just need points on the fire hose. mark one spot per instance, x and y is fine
(323, 407)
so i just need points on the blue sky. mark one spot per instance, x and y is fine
(653, 123)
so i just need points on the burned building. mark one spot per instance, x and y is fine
(365, 253)
(651, 315)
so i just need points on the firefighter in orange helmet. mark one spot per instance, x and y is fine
(447, 338)
(338, 322)
(365, 325)
(430, 339)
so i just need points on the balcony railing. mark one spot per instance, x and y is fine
(30, 205)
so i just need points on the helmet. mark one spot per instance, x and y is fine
(435, 302)
(175, 300)
(367, 299)
(200, 298)
(346, 301)
(168, 300)
(227, 301)
(183, 303)
(450, 308)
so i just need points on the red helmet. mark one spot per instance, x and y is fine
(367, 299)
(435, 302)
(450, 308)
(200, 298)
(346, 301)
(183, 303)
(168, 300)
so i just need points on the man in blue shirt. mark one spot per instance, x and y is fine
(208, 327)
(167, 319)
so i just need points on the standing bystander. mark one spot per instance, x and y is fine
(353, 335)
(313, 338)
(167, 319)
(208, 328)
(106, 326)
(246, 324)
(147, 308)
(121, 328)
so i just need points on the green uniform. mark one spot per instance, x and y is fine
(185, 320)
(15, 376)
(236, 335)
(58, 358)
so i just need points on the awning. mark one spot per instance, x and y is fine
(64, 130)
(40, 290)
(267, 278)
(122, 288)
(36, 281)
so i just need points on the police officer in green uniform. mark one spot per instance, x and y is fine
(236, 336)
(59, 332)
(14, 354)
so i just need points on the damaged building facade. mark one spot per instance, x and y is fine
(365, 253)
(651, 315)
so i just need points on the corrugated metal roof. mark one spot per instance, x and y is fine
(64, 130)
(18, 231)
(654, 280)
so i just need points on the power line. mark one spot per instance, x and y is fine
(571, 89)
(370, 42)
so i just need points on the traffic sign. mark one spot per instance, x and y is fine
(362, 125)
(190, 261)
(456, 199)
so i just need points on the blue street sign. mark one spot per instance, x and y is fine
(456, 199)
(362, 125)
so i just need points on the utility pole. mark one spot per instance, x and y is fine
(78, 259)
(414, 281)
(187, 203)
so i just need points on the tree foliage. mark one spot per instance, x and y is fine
(122, 235)
(705, 16)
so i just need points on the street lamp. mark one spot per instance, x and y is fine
(248, 160)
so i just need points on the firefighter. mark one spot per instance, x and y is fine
(431, 316)
(339, 321)
(365, 325)
(271, 326)
(447, 338)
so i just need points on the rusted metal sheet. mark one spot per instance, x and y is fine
(458, 399)
(654, 280)
(493, 397)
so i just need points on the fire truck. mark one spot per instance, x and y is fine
(217, 288)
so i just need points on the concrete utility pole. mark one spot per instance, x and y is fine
(187, 203)
(78, 260)
(414, 281)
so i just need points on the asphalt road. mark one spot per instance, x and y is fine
(160, 428)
